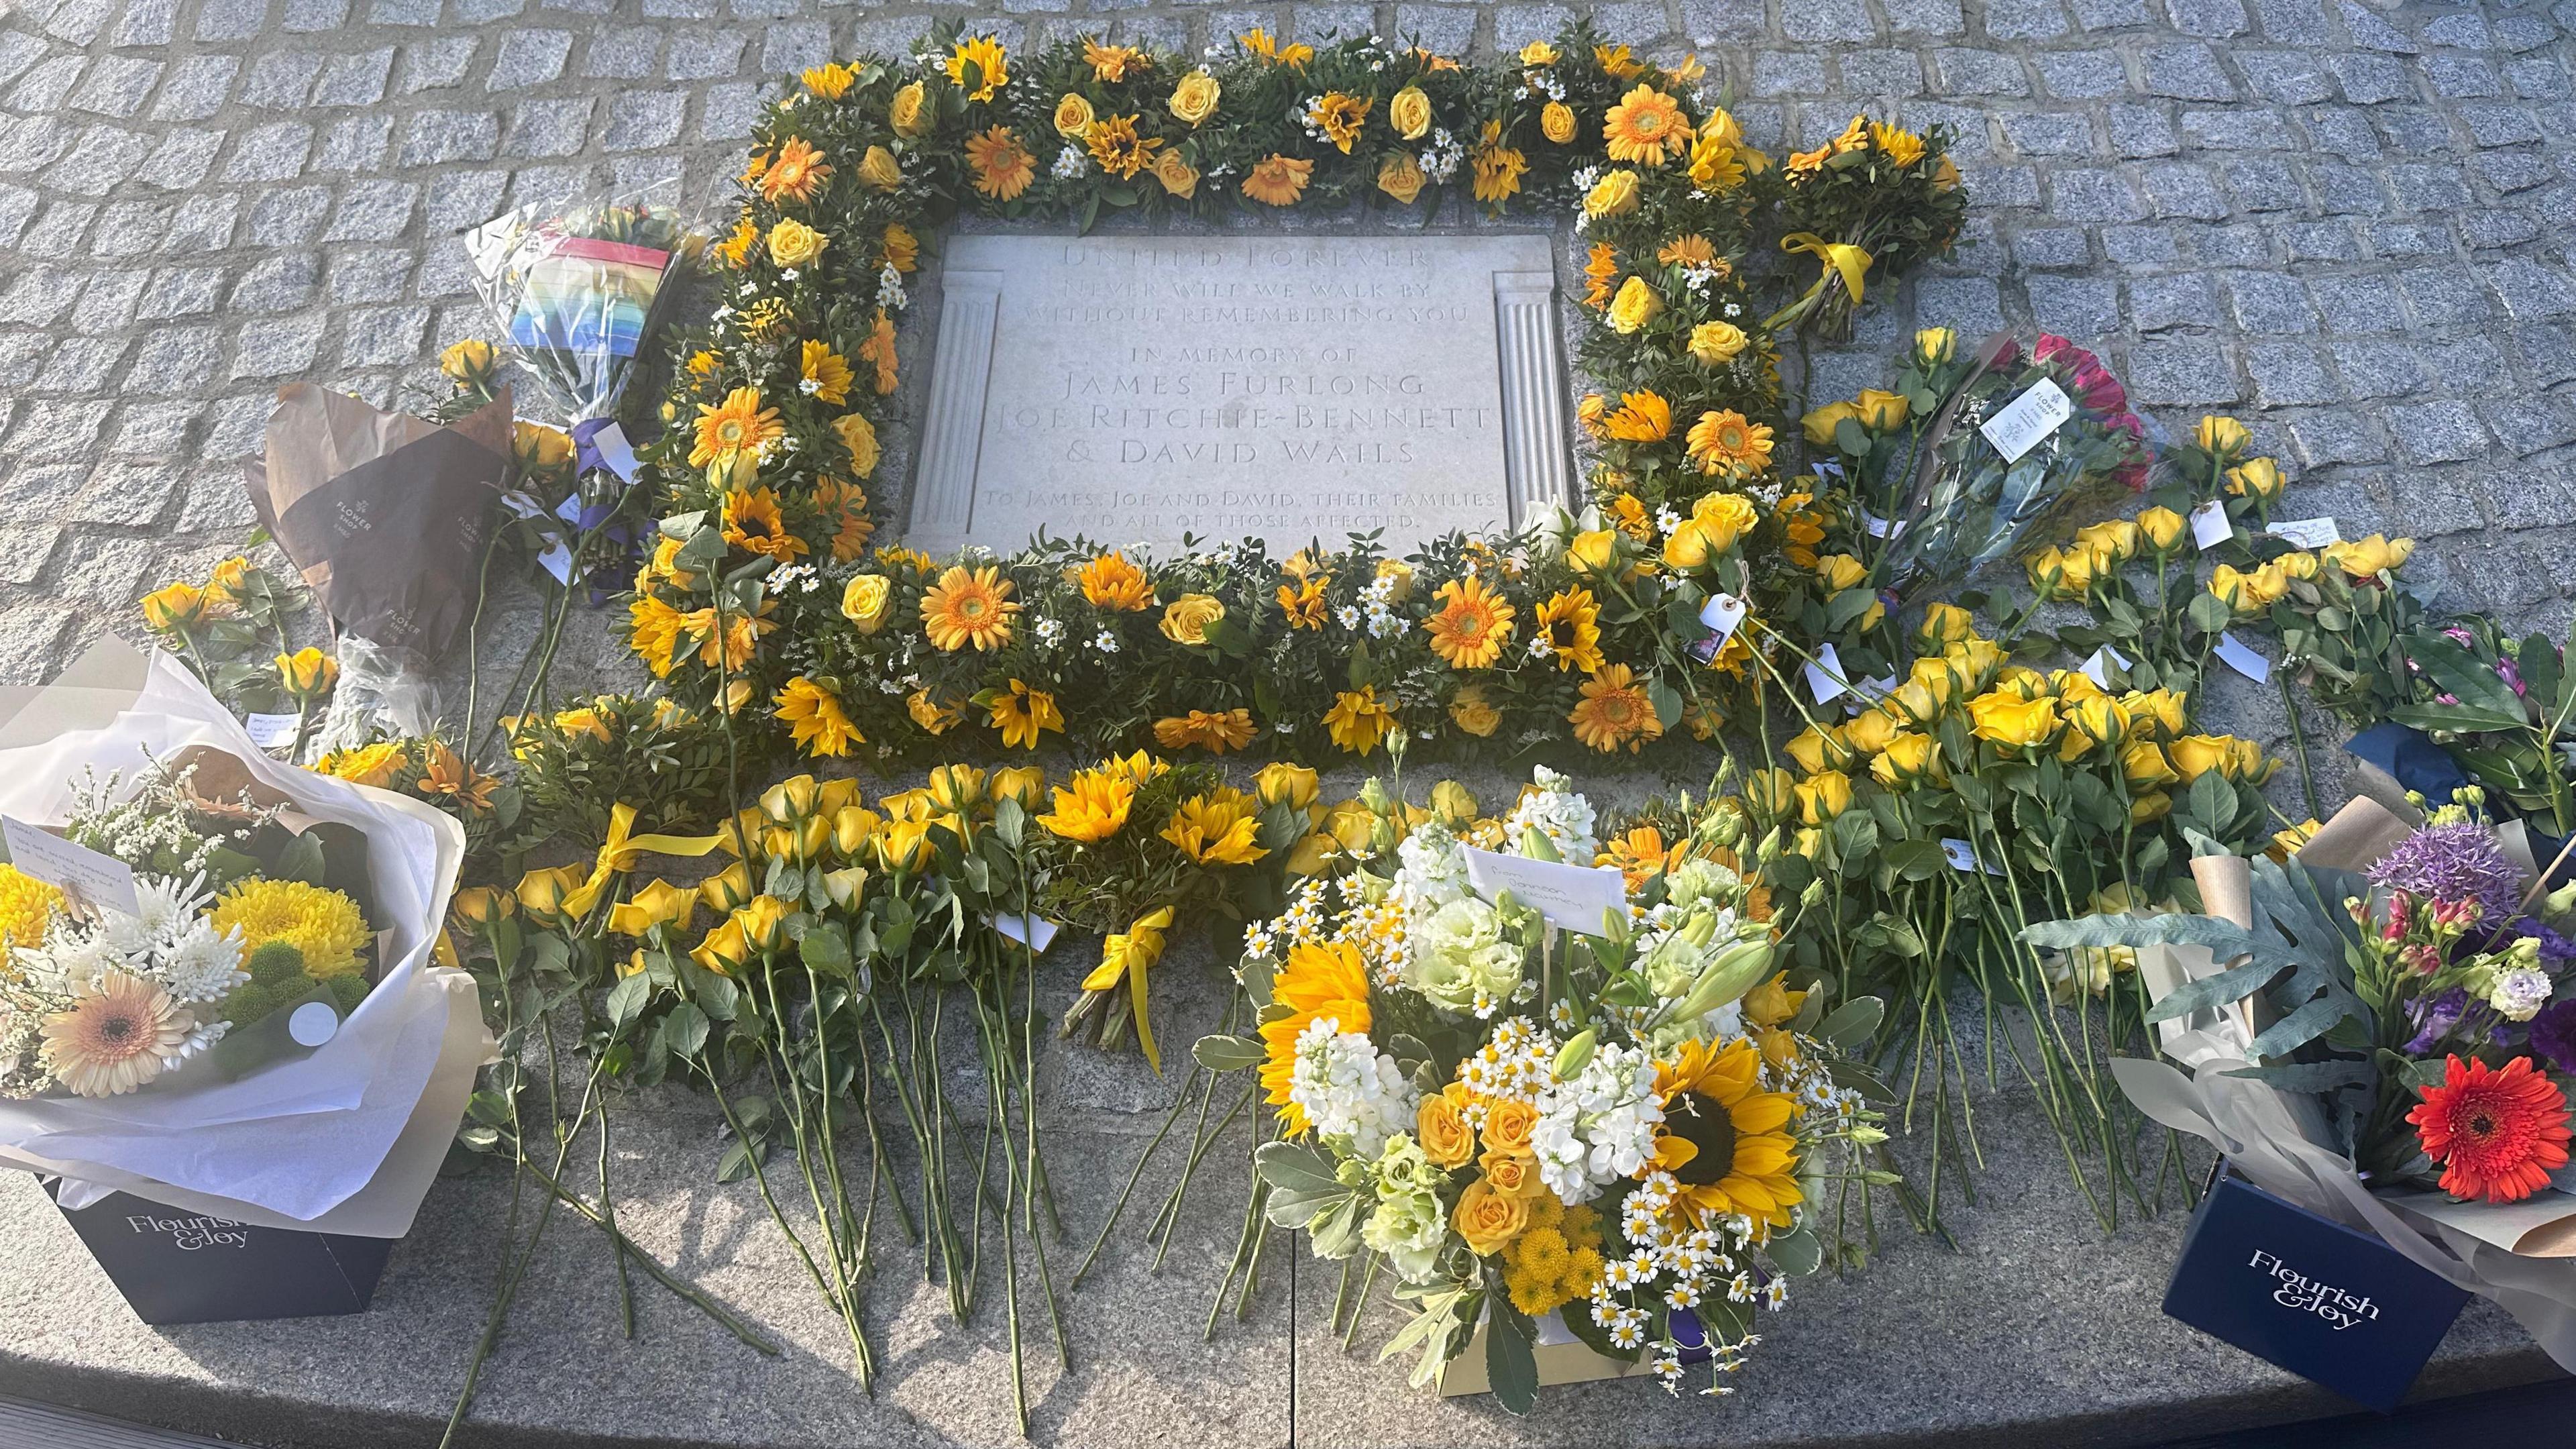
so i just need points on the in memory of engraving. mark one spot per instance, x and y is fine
(1294, 389)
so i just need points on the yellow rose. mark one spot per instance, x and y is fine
(1399, 577)
(2219, 435)
(1881, 412)
(1194, 99)
(1935, 345)
(2163, 529)
(863, 601)
(2108, 544)
(1944, 625)
(1072, 116)
(1472, 712)
(2091, 723)
(483, 905)
(307, 672)
(1538, 53)
(793, 244)
(1818, 747)
(1636, 305)
(1593, 552)
(1772, 792)
(909, 114)
(1513, 1174)
(2145, 765)
(1616, 194)
(1974, 662)
(2196, 755)
(2370, 557)
(1823, 795)
(2015, 723)
(1713, 344)
(658, 904)
(1186, 619)
(2255, 478)
(467, 360)
(1909, 759)
(539, 446)
(1840, 571)
(1869, 731)
(2297, 565)
(1410, 114)
(1488, 1218)
(879, 169)
(1556, 122)
(1444, 1133)
(1401, 177)
(1820, 424)
(1724, 518)
(860, 437)
(1179, 177)
(1686, 547)
(2150, 808)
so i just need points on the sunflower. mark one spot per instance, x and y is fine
(1614, 711)
(323, 926)
(1003, 167)
(1215, 731)
(120, 1032)
(1723, 1137)
(1023, 714)
(1471, 626)
(1217, 828)
(797, 174)
(990, 69)
(1729, 443)
(1340, 117)
(1111, 63)
(827, 373)
(968, 608)
(1321, 981)
(815, 719)
(1092, 806)
(1358, 721)
(736, 425)
(1570, 622)
(752, 524)
(1646, 127)
(1642, 417)
(1116, 146)
(1498, 168)
(1278, 181)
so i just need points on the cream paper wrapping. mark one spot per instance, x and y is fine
(345, 1140)
(2273, 1138)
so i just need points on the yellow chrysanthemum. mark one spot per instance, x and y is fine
(323, 925)
(27, 907)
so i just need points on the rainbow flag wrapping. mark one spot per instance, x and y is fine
(584, 294)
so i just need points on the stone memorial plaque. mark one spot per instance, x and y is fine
(1132, 390)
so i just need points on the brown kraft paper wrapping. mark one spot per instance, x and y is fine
(385, 515)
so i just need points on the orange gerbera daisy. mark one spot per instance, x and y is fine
(1570, 622)
(1729, 443)
(846, 505)
(1471, 626)
(1325, 981)
(1003, 167)
(1614, 711)
(1724, 1138)
(1692, 250)
(1213, 731)
(1646, 127)
(736, 425)
(1116, 146)
(2497, 1134)
(1111, 581)
(1599, 271)
(797, 174)
(752, 523)
(1278, 181)
(1643, 417)
(968, 608)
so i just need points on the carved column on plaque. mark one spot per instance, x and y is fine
(943, 485)
(1536, 466)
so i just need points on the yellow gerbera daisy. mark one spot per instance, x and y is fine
(1646, 127)
(968, 608)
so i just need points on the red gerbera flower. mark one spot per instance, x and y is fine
(2498, 1132)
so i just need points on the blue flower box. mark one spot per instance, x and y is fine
(178, 1266)
(2337, 1307)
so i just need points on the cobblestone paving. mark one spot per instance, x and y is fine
(2347, 224)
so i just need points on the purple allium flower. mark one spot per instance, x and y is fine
(2434, 1017)
(2553, 1035)
(2453, 863)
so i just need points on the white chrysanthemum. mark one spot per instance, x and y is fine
(204, 964)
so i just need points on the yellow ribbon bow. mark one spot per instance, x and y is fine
(1129, 953)
(619, 852)
(1851, 262)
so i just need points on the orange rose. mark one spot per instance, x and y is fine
(1508, 1125)
(1513, 1174)
(1444, 1134)
(1488, 1219)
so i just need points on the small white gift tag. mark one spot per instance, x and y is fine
(1825, 676)
(2098, 667)
(1963, 856)
(615, 451)
(1035, 932)
(557, 560)
(1879, 527)
(2308, 532)
(2209, 525)
(1722, 614)
(2028, 419)
(91, 877)
(2235, 655)
(268, 731)
(1570, 897)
